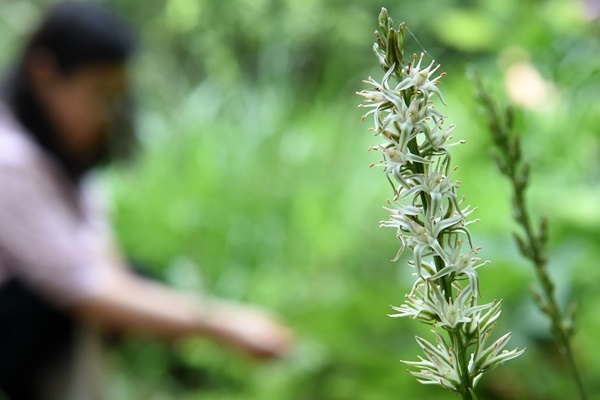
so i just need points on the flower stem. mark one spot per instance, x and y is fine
(446, 286)
(574, 370)
(461, 353)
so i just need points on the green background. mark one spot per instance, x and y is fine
(252, 182)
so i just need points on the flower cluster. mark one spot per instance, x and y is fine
(430, 221)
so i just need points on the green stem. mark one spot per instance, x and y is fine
(444, 283)
(574, 369)
(461, 353)
(418, 168)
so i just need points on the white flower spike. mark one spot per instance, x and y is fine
(426, 215)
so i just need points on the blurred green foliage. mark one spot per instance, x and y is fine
(252, 181)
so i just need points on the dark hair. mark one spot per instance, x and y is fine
(77, 35)
(80, 34)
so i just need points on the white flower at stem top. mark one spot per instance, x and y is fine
(429, 221)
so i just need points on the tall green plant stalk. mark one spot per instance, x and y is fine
(532, 240)
(430, 221)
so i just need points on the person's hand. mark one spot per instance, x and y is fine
(248, 328)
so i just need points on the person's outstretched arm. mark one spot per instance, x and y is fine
(129, 303)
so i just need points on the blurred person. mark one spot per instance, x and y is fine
(62, 278)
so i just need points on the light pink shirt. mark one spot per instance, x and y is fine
(51, 238)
